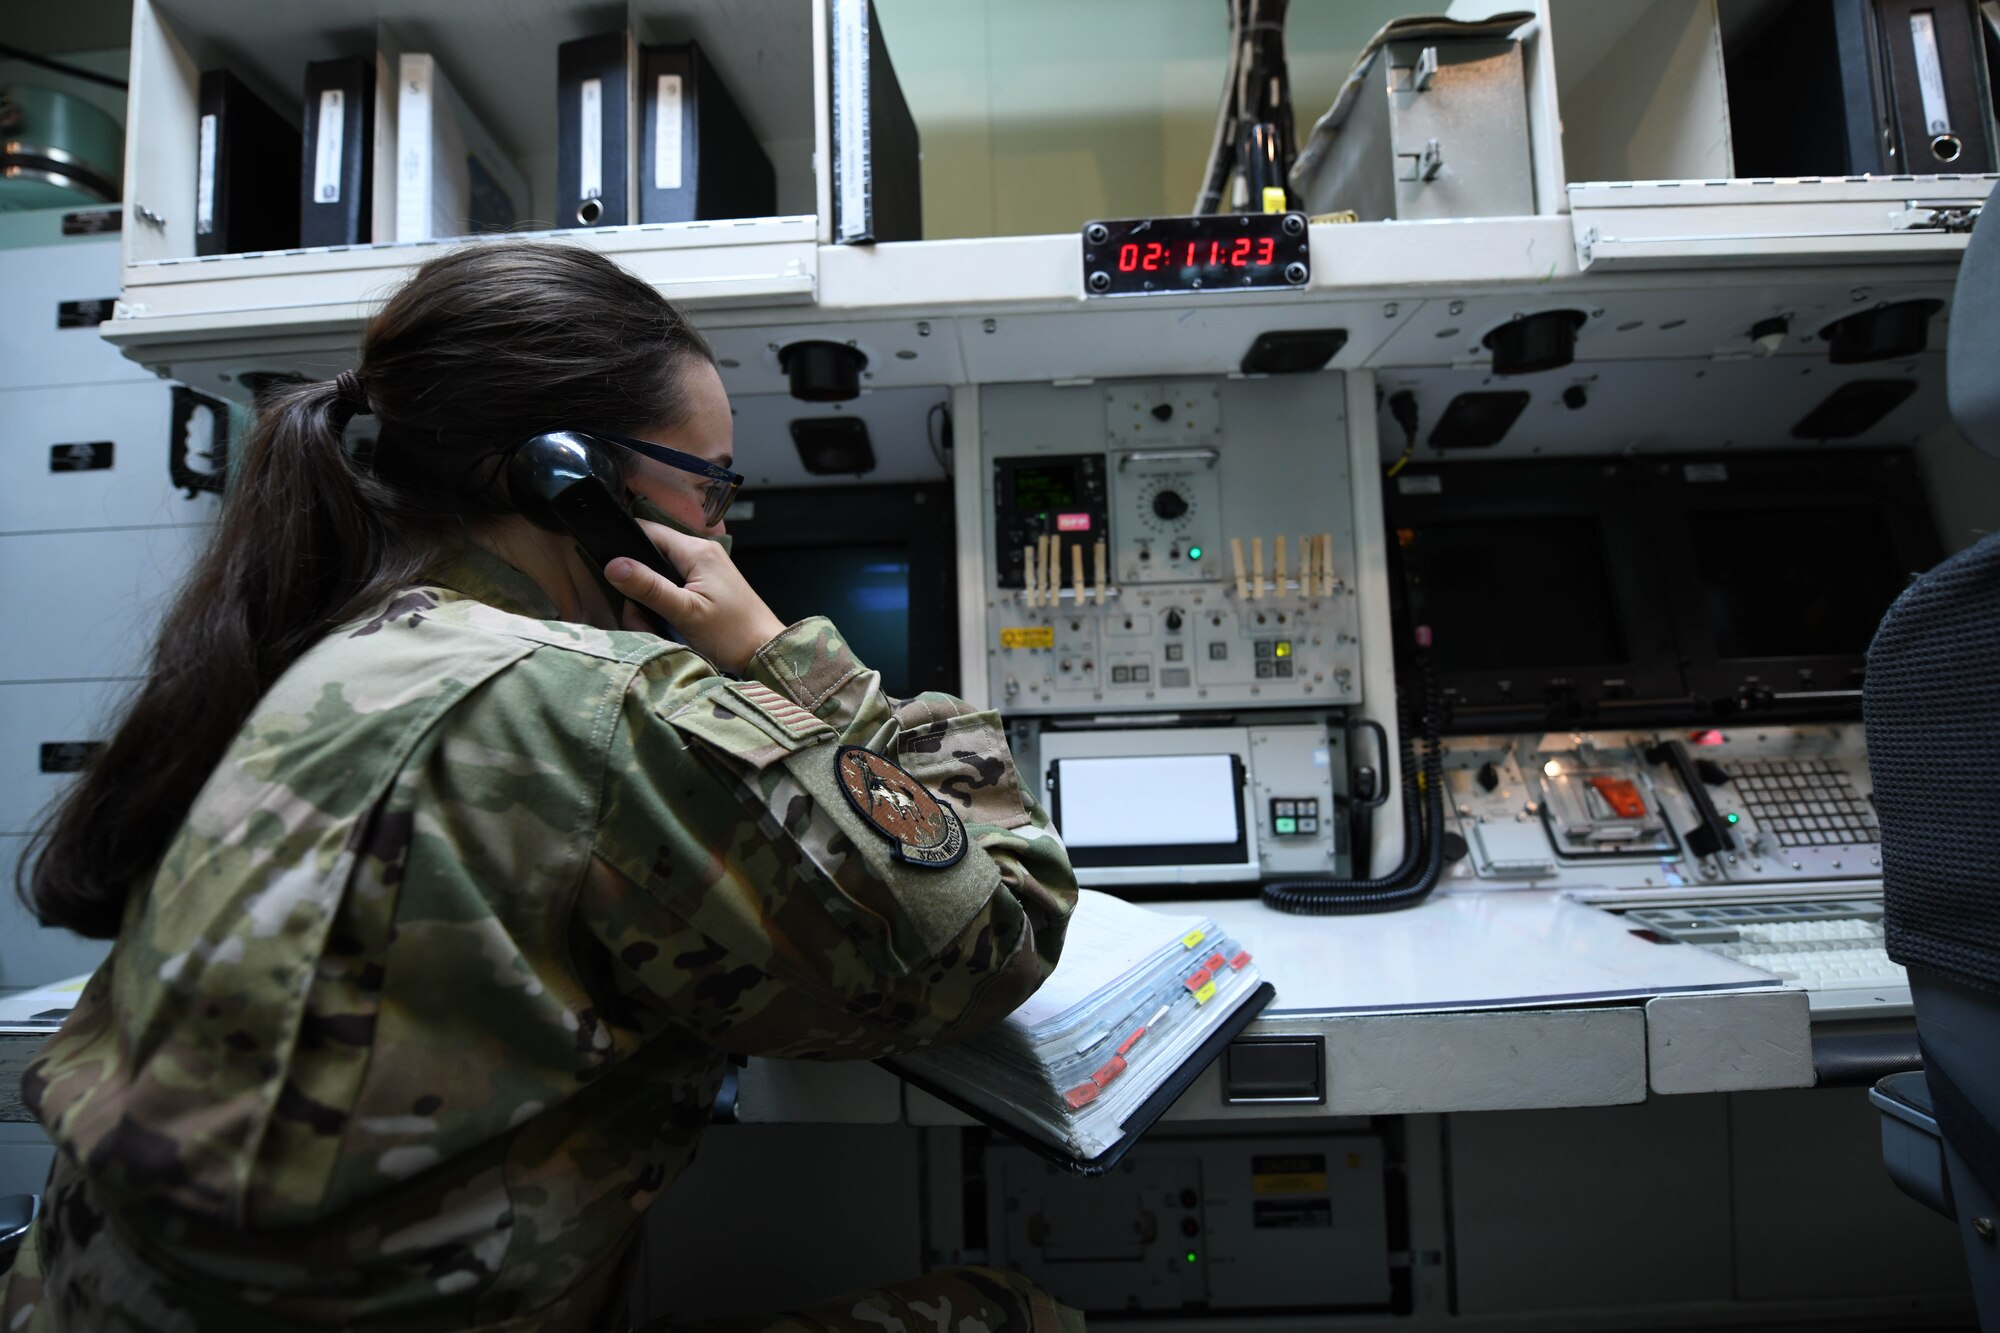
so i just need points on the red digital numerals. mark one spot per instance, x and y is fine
(1154, 256)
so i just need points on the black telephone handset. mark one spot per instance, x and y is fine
(566, 482)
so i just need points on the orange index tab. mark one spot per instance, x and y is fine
(1214, 962)
(1205, 994)
(1198, 980)
(1192, 938)
(1081, 1095)
(1242, 957)
(1111, 1069)
(1126, 1045)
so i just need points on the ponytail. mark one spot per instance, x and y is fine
(299, 548)
(483, 346)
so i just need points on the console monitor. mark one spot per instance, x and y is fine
(1535, 586)
(879, 561)
(1783, 566)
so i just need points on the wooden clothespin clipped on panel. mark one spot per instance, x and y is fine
(1326, 564)
(1236, 555)
(1076, 571)
(1279, 553)
(1102, 554)
(1257, 569)
(1030, 575)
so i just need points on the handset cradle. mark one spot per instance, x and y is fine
(566, 482)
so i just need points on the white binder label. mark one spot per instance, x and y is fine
(592, 154)
(1930, 71)
(326, 156)
(204, 188)
(667, 134)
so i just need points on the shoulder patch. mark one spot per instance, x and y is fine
(790, 718)
(925, 831)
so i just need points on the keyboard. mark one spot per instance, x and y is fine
(1832, 947)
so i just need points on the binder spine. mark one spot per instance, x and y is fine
(415, 105)
(698, 157)
(336, 197)
(595, 155)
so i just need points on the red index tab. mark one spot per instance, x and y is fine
(1131, 1041)
(1236, 963)
(1112, 1069)
(1081, 1095)
(1214, 962)
(1622, 796)
(1199, 979)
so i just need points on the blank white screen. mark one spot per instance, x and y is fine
(1148, 800)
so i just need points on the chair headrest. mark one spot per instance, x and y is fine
(1972, 356)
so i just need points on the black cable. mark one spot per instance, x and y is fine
(1418, 873)
(1222, 149)
(72, 71)
(934, 438)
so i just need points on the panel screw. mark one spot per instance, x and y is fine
(1294, 224)
(1097, 233)
(1295, 273)
(1100, 281)
(1983, 1228)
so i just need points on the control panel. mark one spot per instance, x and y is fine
(1201, 1224)
(1165, 806)
(1664, 809)
(1183, 544)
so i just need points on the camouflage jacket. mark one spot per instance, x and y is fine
(431, 995)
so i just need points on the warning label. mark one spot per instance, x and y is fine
(1028, 636)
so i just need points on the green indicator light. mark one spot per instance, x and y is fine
(1732, 818)
(1190, 1256)
(1194, 553)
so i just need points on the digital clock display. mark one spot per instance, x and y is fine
(1218, 252)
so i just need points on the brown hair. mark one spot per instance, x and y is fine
(481, 348)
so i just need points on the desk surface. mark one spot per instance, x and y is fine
(1467, 950)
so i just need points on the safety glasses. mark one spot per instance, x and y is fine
(718, 484)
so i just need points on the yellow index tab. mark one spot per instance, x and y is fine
(1274, 198)
(1205, 994)
(1028, 636)
(1192, 938)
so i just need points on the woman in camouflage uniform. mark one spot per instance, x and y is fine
(442, 900)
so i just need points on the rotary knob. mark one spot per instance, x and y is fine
(1169, 505)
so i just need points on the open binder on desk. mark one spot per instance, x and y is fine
(1139, 1005)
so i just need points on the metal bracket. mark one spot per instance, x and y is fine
(1426, 71)
(1947, 215)
(1426, 165)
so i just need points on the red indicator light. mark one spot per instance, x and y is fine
(1709, 737)
(1072, 523)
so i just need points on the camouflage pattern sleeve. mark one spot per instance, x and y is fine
(737, 884)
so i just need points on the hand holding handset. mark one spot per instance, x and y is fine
(566, 482)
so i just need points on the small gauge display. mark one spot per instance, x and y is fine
(1219, 252)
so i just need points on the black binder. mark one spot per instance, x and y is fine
(246, 171)
(877, 182)
(1135, 1125)
(698, 157)
(594, 145)
(337, 165)
(1862, 87)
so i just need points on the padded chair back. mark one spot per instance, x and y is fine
(1972, 356)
